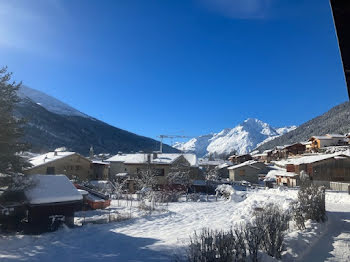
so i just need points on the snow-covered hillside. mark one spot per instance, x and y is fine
(48, 102)
(241, 139)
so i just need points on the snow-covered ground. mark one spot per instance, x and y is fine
(160, 236)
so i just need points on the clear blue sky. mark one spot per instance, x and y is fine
(189, 67)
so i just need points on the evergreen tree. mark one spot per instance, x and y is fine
(10, 126)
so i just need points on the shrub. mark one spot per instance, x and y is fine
(225, 191)
(312, 202)
(273, 222)
(220, 246)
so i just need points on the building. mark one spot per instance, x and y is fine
(318, 142)
(100, 170)
(219, 165)
(238, 159)
(281, 177)
(247, 171)
(51, 200)
(321, 167)
(71, 164)
(132, 165)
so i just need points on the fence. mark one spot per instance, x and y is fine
(338, 186)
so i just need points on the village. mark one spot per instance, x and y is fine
(69, 189)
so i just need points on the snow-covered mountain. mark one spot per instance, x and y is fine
(48, 102)
(51, 123)
(240, 139)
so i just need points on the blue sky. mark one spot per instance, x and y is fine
(177, 67)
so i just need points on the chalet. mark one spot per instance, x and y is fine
(321, 167)
(318, 142)
(52, 199)
(161, 163)
(71, 164)
(247, 171)
(238, 159)
(282, 177)
(294, 149)
(265, 156)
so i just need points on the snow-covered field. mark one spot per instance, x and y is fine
(162, 235)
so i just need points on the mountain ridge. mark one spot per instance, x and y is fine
(51, 124)
(241, 139)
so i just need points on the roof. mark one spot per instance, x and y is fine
(141, 158)
(250, 163)
(311, 159)
(336, 135)
(271, 175)
(321, 137)
(217, 162)
(48, 157)
(52, 189)
(99, 162)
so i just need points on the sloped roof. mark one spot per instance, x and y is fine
(51, 189)
(250, 163)
(141, 158)
(311, 159)
(49, 157)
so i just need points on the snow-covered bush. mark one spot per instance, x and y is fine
(194, 197)
(212, 245)
(298, 216)
(166, 196)
(253, 236)
(273, 222)
(225, 191)
(312, 202)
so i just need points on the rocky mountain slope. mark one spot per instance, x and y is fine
(52, 124)
(336, 120)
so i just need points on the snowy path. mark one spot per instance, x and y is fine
(334, 245)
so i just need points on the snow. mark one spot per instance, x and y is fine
(160, 236)
(141, 158)
(247, 163)
(311, 158)
(51, 189)
(49, 157)
(242, 139)
(48, 102)
(272, 174)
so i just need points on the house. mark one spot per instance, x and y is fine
(238, 159)
(51, 199)
(294, 149)
(265, 156)
(247, 171)
(321, 167)
(219, 165)
(160, 163)
(281, 177)
(318, 142)
(100, 170)
(71, 164)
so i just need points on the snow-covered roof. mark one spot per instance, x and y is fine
(142, 158)
(48, 157)
(51, 189)
(99, 162)
(321, 137)
(250, 163)
(309, 159)
(272, 174)
(217, 162)
(336, 135)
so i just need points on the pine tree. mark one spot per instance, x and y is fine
(10, 126)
